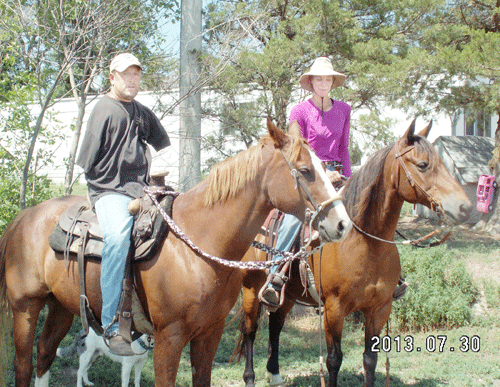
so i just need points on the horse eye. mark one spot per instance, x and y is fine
(306, 172)
(423, 165)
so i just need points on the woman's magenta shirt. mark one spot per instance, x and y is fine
(326, 132)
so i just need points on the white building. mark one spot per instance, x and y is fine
(65, 113)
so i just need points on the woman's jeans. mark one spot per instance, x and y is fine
(288, 230)
(116, 226)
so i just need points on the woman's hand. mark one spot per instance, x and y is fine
(336, 179)
(334, 176)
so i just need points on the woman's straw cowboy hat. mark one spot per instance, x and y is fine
(321, 66)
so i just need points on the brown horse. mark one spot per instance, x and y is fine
(186, 297)
(361, 272)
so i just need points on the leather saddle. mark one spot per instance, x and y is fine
(79, 229)
(285, 272)
(78, 236)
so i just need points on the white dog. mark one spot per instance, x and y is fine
(92, 346)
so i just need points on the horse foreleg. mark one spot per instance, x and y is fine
(374, 323)
(202, 352)
(276, 322)
(334, 324)
(169, 344)
(57, 325)
(249, 373)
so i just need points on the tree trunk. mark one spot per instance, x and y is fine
(68, 180)
(29, 158)
(190, 106)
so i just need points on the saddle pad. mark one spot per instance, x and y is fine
(58, 241)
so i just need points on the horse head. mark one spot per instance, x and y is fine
(421, 177)
(298, 184)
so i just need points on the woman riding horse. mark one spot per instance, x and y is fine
(362, 271)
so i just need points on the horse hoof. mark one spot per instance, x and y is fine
(275, 380)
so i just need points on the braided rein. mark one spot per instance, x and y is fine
(252, 265)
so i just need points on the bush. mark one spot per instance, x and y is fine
(440, 294)
(9, 195)
(492, 293)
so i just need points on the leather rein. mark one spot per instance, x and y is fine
(259, 265)
(435, 204)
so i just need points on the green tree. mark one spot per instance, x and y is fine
(269, 44)
(15, 129)
(65, 45)
(450, 64)
(425, 58)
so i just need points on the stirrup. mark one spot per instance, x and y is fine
(275, 283)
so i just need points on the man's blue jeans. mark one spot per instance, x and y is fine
(116, 225)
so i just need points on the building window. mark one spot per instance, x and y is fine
(478, 124)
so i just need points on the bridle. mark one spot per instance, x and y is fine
(435, 204)
(297, 176)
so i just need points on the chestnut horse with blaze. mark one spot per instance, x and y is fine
(186, 296)
(361, 272)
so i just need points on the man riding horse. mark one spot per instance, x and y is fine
(116, 160)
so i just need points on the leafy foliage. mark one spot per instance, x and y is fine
(423, 58)
(10, 170)
(440, 294)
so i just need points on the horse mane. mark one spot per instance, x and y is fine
(365, 187)
(364, 191)
(228, 178)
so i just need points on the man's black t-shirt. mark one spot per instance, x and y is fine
(114, 153)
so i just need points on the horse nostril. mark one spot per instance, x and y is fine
(465, 210)
(341, 226)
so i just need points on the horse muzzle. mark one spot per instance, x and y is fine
(333, 224)
(456, 211)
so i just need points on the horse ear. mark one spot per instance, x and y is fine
(280, 138)
(294, 129)
(425, 131)
(409, 135)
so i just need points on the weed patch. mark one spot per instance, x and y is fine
(440, 294)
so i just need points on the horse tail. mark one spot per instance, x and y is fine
(240, 345)
(4, 239)
(5, 314)
(239, 350)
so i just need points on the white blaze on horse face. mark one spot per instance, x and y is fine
(339, 206)
(321, 172)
